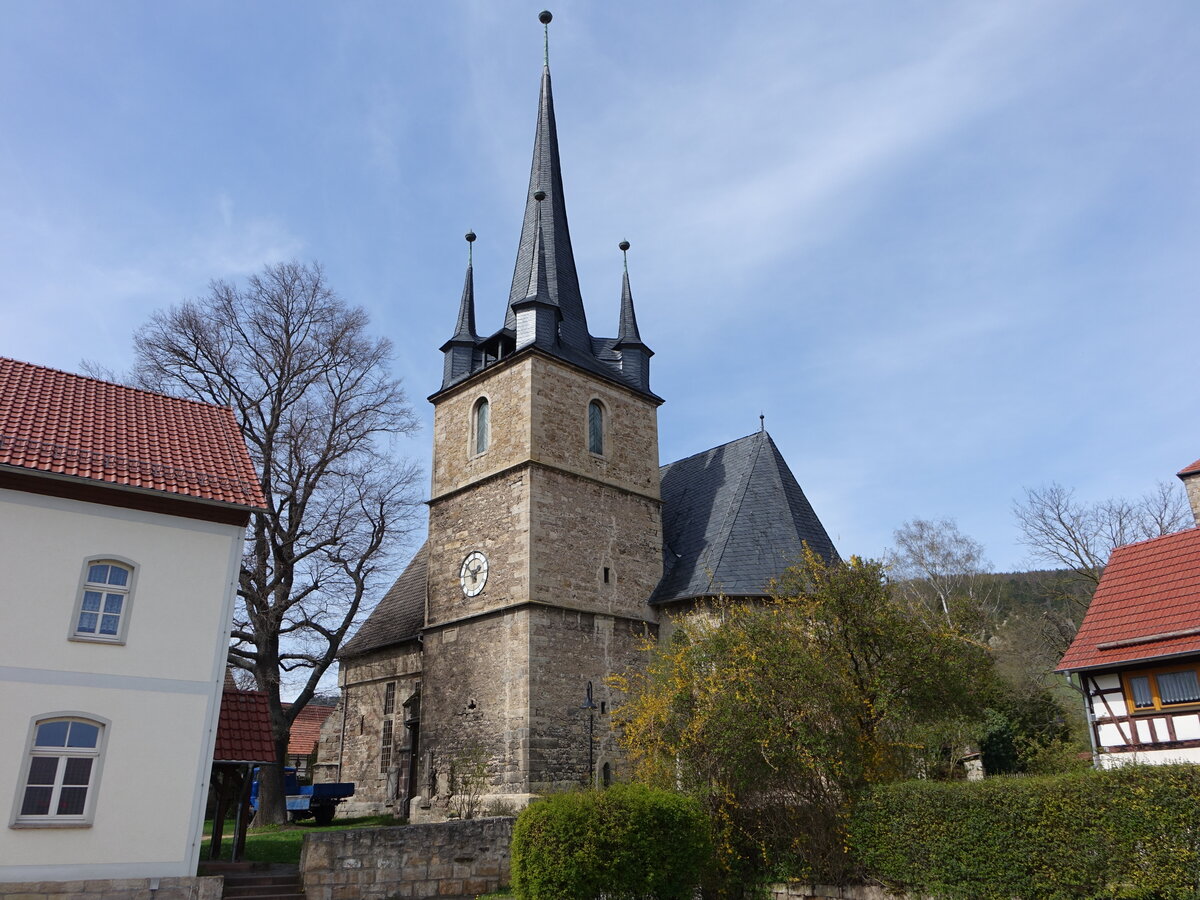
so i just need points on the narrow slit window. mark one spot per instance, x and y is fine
(596, 428)
(385, 749)
(389, 698)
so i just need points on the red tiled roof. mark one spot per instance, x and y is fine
(1192, 469)
(56, 422)
(306, 729)
(1147, 605)
(244, 729)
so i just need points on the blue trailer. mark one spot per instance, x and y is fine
(303, 800)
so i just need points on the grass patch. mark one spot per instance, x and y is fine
(281, 843)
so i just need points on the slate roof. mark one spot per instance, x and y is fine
(64, 424)
(734, 517)
(399, 616)
(545, 268)
(244, 729)
(1192, 469)
(306, 729)
(1146, 606)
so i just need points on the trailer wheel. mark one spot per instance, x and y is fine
(324, 813)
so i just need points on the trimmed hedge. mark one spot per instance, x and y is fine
(625, 842)
(1131, 833)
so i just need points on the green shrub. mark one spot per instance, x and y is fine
(627, 842)
(1131, 833)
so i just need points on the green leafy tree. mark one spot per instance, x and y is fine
(774, 714)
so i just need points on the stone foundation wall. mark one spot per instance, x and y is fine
(449, 860)
(794, 891)
(204, 888)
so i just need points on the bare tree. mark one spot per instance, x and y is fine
(319, 412)
(935, 564)
(1079, 537)
(1066, 533)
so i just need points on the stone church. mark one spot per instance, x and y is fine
(556, 545)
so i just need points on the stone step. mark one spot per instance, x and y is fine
(246, 889)
(250, 881)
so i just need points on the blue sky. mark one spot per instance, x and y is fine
(949, 249)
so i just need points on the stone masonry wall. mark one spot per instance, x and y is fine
(452, 861)
(364, 682)
(455, 462)
(203, 888)
(476, 698)
(493, 516)
(578, 529)
(796, 891)
(567, 650)
(561, 395)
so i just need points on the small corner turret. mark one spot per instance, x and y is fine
(460, 349)
(634, 356)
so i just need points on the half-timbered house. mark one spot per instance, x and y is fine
(1137, 654)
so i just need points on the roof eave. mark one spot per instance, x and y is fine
(128, 488)
(352, 653)
(533, 349)
(1127, 661)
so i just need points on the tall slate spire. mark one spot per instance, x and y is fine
(545, 307)
(562, 280)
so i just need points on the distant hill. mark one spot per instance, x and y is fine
(1035, 592)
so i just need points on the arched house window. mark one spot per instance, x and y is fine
(102, 607)
(596, 427)
(62, 771)
(480, 426)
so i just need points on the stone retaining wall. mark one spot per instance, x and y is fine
(794, 891)
(456, 860)
(202, 888)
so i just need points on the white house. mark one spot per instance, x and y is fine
(1137, 653)
(122, 518)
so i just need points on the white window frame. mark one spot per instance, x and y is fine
(127, 591)
(52, 820)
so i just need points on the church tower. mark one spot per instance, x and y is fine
(545, 524)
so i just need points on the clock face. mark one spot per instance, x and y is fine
(473, 575)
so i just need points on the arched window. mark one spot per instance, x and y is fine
(62, 771)
(596, 427)
(102, 609)
(481, 426)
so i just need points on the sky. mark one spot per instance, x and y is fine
(947, 249)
